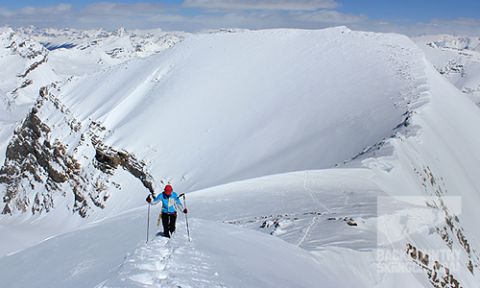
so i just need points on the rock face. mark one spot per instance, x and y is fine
(36, 163)
(32, 160)
(39, 168)
(109, 159)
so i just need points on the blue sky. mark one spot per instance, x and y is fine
(413, 10)
(404, 16)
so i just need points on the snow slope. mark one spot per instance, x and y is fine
(223, 107)
(245, 121)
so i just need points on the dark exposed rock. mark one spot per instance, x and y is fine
(33, 67)
(115, 52)
(451, 231)
(109, 159)
(30, 158)
(350, 221)
(439, 275)
(25, 84)
(45, 95)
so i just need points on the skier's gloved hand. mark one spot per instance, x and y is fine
(185, 210)
(149, 198)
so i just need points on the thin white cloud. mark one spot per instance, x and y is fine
(330, 16)
(108, 7)
(466, 26)
(121, 9)
(108, 15)
(52, 10)
(5, 12)
(460, 26)
(458, 21)
(290, 5)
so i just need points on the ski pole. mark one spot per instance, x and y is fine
(186, 217)
(148, 221)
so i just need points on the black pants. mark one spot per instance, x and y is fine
(168, 222)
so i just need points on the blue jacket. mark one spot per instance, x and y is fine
(169, 203)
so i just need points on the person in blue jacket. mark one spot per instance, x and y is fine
(170, 203)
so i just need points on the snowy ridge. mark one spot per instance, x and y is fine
(372, 98)
(179, 263)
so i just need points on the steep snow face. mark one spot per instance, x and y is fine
(456, 58)
(229, 106)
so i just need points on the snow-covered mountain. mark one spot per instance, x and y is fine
(91, 50)
(327, 158)
(457, 58)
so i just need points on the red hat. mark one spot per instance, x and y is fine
(168, 189)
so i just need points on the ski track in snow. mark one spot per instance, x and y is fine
(311, 192)
(314, 218)
(307, 231)
(164, 262)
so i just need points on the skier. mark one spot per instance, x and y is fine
(170, 203)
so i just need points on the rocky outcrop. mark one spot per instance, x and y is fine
(450, 231)
(35, 163)
(452, 68)
(109, 159)
(39, 169)
(439, 275)
(33, 66)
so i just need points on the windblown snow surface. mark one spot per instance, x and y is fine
(327, 158)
